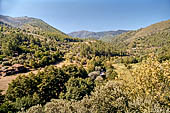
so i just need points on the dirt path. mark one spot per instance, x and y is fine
(4, 81)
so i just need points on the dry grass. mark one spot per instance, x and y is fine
(124, 73)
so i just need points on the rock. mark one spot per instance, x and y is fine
(94, 74)
(99, 78)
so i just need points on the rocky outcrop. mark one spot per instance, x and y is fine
(99, 73)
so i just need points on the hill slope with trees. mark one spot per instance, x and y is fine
(152, 39)
(96, 35)
(28, 23)
(129, 74)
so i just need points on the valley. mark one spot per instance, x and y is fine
(43, 69)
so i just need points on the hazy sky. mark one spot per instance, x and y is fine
(93, 15)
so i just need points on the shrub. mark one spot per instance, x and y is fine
(75, 71)
(152, 79)
(6, 63)
(1, 97)
(2, 57)
(111, 74)
(45, 85)
(7, 107)
(77, 88)
(35, 109)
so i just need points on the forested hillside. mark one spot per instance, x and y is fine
(29, 24)
(30, 50)
(152, 39)
(130, 74)
(96, 35)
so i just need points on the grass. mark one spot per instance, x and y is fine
(124, 73)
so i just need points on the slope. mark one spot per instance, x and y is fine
(96, 35)
(152, 39)
(28, 23)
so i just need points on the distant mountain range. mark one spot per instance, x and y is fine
(34, 25)
(96, 35)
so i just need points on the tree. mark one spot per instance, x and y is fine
(77, 88)
(151, 78)
(1, 97)
(46, 85)
(75, 71)
(44, 61)
(10, 45)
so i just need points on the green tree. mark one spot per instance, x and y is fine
(77, 88)
(45, 85)
(1, 97)
(75, 71)
(10, 45)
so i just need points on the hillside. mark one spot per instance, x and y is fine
(22, 50)
(154, 38)
(96, 35)
(163, 26)
(46, 71)
(28, 23)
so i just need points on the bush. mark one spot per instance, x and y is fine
(129, 60)
(45, 85)
(1, 57)
(28, 90)
(111, 74)
(106, 99)
(58, 106)
(75, 71)
(152, 78)
(7, 107)
(1, 97)
(25, 103)
(110, 98)
(35, 109)
(6, 63)
(113, 97)
(163, 58)
(77, 88)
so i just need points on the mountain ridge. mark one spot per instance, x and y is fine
(95, 35)
(163, 26)
(28, 23)
(151, 39)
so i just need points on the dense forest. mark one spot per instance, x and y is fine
(128, 74)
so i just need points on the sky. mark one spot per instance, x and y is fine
(91, 15)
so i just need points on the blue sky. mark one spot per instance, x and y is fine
(92, 15)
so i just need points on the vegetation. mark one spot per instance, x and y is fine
(28, 90)
(77, 88)
(152, 39)
(130, 74)
(30, 50)
(144, 94)
(96, 35)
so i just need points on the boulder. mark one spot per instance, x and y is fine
(99, 78)
(94, 74)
